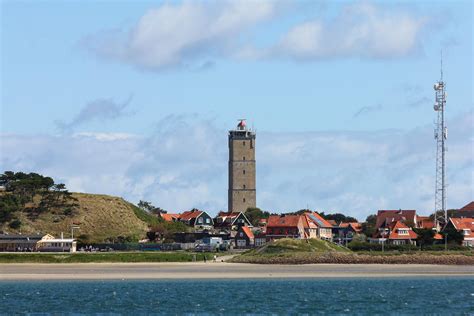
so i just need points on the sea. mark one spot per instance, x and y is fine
(336, 296)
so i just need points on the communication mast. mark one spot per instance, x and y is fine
(440, 135)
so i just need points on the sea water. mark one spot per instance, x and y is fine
(388, 296)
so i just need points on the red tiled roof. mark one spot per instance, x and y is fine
(356, 226)
(388, 216)
(283, 221)
(463, 224)
(170, 217)
(248, 232)
(332, 222)
(468, 207)
(186, 216)
(394, 233)
(438, 236)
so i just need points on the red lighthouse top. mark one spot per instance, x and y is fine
(242, 124)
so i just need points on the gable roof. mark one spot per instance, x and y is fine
(465, 223)
(395, 231)
(284, 221)
(356, 226)
(247, 232)
(332, 222)
(229, 218)
(468, 207)
(318, 220)
(169, 217)
(385, 217)
(189, 215)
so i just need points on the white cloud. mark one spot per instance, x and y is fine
(191, 34)
(184, 165)
(179, 34)
(360, 30)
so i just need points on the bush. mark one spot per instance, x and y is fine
(15, 224)
(365, 246)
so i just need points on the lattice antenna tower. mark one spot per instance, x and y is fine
(440, 135)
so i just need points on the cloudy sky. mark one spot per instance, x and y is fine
(135, 99)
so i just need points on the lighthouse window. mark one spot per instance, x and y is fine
(243, 171)
(244, 200)
(244, 186)
(244, 157)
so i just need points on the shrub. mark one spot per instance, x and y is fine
(15, 224)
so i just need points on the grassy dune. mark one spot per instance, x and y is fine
(291, 251)
(101, 217)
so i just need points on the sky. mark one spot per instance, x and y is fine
(135, 99)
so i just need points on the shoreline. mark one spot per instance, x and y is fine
(214, 271)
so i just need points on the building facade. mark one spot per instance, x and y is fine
(242, 171)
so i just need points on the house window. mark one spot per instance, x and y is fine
(200, 220)
(208, 220)
(241, 234)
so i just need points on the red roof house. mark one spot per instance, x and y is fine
(385, 217)
(397, 233)
(466, 227)
(285, 226)
(196, 218)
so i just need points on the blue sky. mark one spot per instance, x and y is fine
(108, 94)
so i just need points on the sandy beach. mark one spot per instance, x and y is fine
(156, 271)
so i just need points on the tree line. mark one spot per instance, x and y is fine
(31, 193)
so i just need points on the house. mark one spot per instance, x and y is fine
(260, 239)
(385, 217)
(244, 237)
(465, 226)
(197, 219)
(50, 244)
(38, 242)
(465, 211)
(323, 227)
(169, 217)
(285, 226)
(396, 233)
(349, 230)
(231, 220)
(19, 242)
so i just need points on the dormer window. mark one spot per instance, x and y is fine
(403, 231)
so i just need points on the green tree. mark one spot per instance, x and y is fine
(338, 217)
(454, 236)
(146, 206)
(368, 227)
(425, 236)
(254, 215)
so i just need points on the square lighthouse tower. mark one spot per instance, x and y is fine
(242, 193)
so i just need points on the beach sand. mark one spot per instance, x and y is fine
(220, 270)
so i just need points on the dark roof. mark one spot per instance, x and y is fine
(388, 216)
(468, 207)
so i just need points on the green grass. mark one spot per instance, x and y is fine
(288, 246)
(102, 257)
(144, 216)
